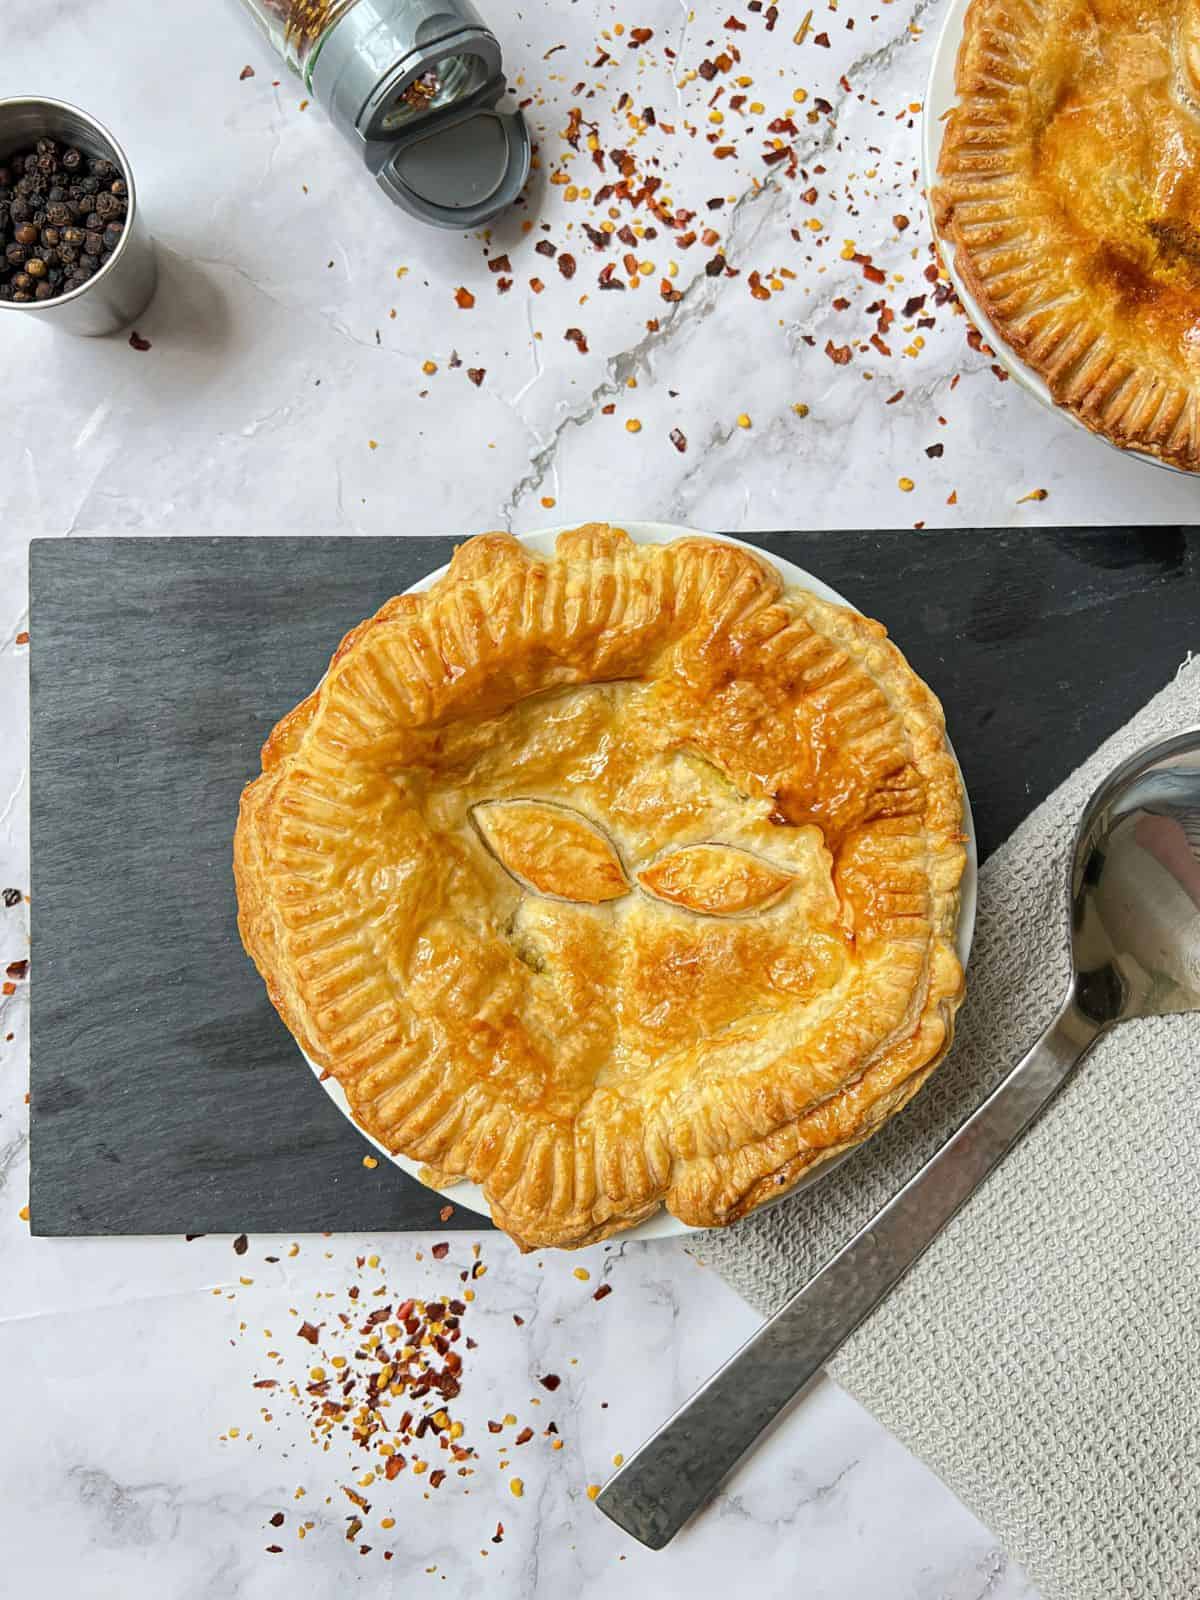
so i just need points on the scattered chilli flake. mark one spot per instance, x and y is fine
(463, 298)
(376, 1395)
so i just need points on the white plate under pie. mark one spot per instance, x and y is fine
(469, 1196)
(941, 97)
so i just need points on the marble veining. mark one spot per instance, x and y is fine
(287, 389)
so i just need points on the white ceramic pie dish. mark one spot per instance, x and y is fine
(941, 97)
(469, 1196)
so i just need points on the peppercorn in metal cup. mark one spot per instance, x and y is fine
(122, 288)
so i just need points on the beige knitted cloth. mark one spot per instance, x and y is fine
(1044, 1356)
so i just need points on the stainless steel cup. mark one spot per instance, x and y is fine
(123, 287)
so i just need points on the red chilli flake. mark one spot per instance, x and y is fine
(603, 1291)
(246, 72)
(566, 264)
(17, 969)
(306, 1330)
(440, 1252)
(499, 264)
(476, 375)
(679, 440)
(277, 1520)
(240, 1245)
(575, 335)
(551, 1381)
(463, 298)
(137, 342)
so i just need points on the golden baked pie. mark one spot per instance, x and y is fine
(1069, 184)
(619, 879)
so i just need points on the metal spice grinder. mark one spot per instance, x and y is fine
(414, 85)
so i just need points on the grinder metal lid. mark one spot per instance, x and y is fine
(416, 84)
(461, 168)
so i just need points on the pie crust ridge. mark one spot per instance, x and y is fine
(852, 842)
(1069, 185)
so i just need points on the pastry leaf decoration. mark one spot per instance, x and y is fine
(716, 880)
(552, 850)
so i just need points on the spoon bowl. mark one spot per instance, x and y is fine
(1135, 887)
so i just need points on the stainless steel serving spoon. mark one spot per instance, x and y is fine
(1134, 899)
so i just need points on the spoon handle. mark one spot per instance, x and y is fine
(679, 1467)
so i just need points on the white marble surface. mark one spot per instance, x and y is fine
(275, 361)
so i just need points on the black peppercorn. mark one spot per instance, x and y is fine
(46, 193)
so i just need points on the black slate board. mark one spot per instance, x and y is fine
(159, 665)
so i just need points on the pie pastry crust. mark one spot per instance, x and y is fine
(1069, 185)
(618, 879)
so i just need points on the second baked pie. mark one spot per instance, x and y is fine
(620, 879)
(1069, 185)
